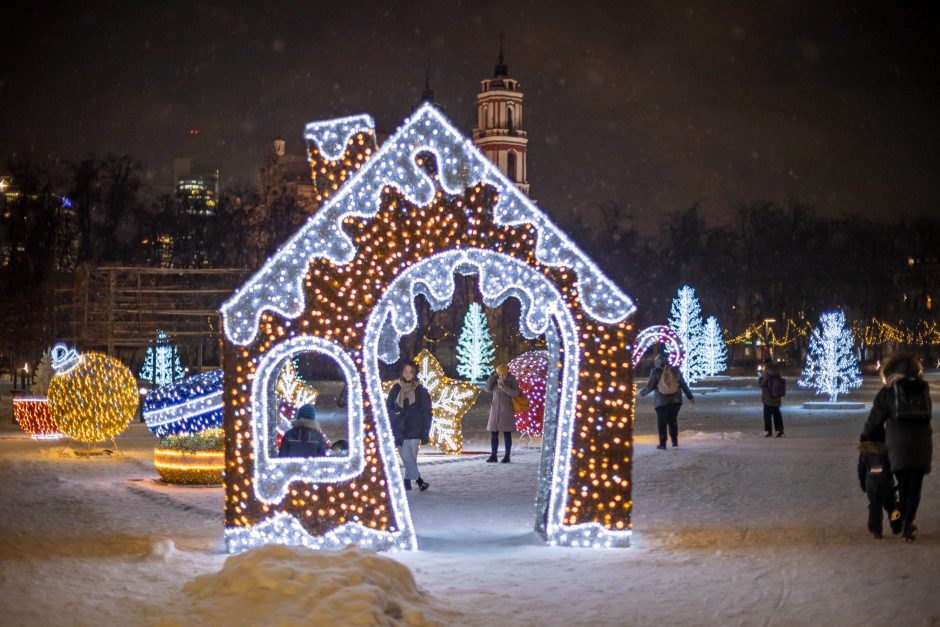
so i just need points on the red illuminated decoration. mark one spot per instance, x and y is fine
(34, 417)
(531, 371)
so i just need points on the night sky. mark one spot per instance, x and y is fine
(656, 106)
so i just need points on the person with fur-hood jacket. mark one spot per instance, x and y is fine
(304, 438)
(903, 409)
(874, 475)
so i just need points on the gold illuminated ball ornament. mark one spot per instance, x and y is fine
(92, 397)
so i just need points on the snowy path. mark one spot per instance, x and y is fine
(730, 529)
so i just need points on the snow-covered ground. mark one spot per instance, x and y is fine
(731, 528)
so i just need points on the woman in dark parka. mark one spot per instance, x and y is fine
(903, 408)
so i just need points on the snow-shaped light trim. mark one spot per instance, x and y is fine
(331, 136)
(278, 285)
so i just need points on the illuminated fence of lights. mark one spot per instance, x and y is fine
(425, 206)
(33, 416)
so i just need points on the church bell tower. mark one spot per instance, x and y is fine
(499, 131)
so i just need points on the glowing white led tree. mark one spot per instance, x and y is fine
(162, 365)
(714, 350)
(831, 367)
(475, 348)
(686, 320)
(43, 376)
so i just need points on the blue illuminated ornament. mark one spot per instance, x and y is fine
(475, 348)
(192, 405)
(831, 367)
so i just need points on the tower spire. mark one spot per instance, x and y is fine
(428, 94)
(501, 70)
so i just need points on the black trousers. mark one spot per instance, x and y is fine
(910, 481)
(667, 417)
(773, 412)
(878, 501)
(494, 441)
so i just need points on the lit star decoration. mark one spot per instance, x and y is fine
(450, 400)
(831, 367)
(531, 372)
(93, 397)
(33, 416)
(659, 334)
(424, 206)
(192, 405)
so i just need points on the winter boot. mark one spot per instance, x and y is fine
(876, 535)
(505, 459)
(780, 434)
(661, 447)
(423, 485)
(910, 532)
(675, 445)
(895, 521)
(491, 458)
(768, 434)
(407, 484)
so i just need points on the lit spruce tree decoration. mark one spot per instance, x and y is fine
(43, 376)
(475, 348)
(686, 320)
(162, 365)
(831, 367)
(714, 350)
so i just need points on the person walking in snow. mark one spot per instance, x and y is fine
(502, 413)
(903, 409)
(668, 385)
(304, 438)
(874, 475)
(773, 387)
(409, 409)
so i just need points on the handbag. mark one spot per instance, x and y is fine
(519, 403)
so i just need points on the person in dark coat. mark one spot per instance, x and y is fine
(903, 409)
(874, 475)
(502, 413)
(667, 403)
(409, 409)
(304, 438)
(768, 386)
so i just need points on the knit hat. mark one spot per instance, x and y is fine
(307, 412)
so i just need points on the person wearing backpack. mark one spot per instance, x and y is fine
(304, 438)
(903, 408)
(773, 388)
(668, 386)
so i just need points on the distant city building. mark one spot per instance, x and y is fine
(198, 185)
(499, 132)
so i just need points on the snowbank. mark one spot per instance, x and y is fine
(290, 585)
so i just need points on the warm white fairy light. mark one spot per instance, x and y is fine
(330, 501)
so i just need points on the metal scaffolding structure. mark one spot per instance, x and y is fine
(119, 309)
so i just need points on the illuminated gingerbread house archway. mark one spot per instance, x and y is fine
(395, 223)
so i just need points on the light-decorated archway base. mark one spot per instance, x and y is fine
(410, 216)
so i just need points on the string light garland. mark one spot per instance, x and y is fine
(192, 405)
(659, 334)
(92, 396)
(450, 401)
(424, 206)
(33, 416)
(531, 372)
